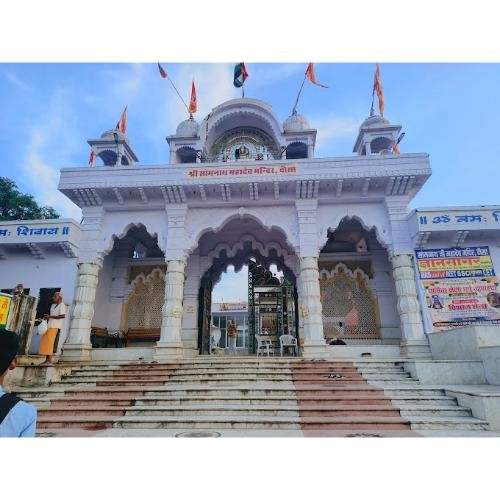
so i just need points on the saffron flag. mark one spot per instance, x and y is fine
(92, 158)
(163, 73)
(377, 87)
(240, 75)
(395, 148)
(193, 103)
(122, 124)
(311, 76)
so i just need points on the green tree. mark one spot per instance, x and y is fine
(15, 205)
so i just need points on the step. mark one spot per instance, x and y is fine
(85, 401)
(121, 373)
(97, 411)
(438, 422)
(258, 422)
(408, 411)
(257, 399)
(280, 410)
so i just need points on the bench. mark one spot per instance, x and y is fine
(142, 334)
(100, 337)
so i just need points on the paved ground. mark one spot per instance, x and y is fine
(272, 433)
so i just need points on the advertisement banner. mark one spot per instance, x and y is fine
(470, 262)
(4, 308)
(462, 301)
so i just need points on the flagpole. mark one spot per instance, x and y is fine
(294, 110)
(180, 97)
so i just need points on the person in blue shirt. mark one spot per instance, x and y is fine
(17, 418)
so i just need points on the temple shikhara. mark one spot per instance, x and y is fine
(332, 249)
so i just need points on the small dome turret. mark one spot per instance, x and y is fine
(110, 135)
(188, 128)
(295, 123)
(375, 121)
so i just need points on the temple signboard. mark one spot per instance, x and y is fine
(243, 171)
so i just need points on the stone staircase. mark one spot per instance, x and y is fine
(366, 397)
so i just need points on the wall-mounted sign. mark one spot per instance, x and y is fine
(458, 217)
(261, 170)
(33, 231)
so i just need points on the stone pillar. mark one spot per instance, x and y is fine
(414, 342)
(170, 344)
(310, 151)
(77, 347)
(189, 331)
(310, 307)
(90, 260)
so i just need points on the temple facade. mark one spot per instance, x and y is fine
(243, 188)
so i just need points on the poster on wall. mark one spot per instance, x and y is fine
(459, 287)
(4, 308)
(462, 301)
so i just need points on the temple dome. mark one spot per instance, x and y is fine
(295, 123)
(374, 122)
(188, 128)
(110, 134)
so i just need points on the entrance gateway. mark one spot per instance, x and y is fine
(242, 188)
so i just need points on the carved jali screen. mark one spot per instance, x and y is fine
(350, 309)
(145, 302)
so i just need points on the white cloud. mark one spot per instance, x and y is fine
(44, 180)
(51, 145)
(270, 74)
(15, 80)
(331, 127)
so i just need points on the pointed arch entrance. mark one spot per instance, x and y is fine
(245, 242)
(357, 289)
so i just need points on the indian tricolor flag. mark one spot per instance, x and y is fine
(240, 75)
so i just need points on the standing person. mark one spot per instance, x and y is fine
(17, 418)
(55, 324)
(232, 334)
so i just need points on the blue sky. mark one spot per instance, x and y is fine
(48, 111)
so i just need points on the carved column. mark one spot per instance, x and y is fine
(189, 332)
(90, 260)
(310, 308)
(77, 347)
(312, 311)
(170, 344)
(414, 342)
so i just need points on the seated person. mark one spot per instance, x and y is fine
(336, 341)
